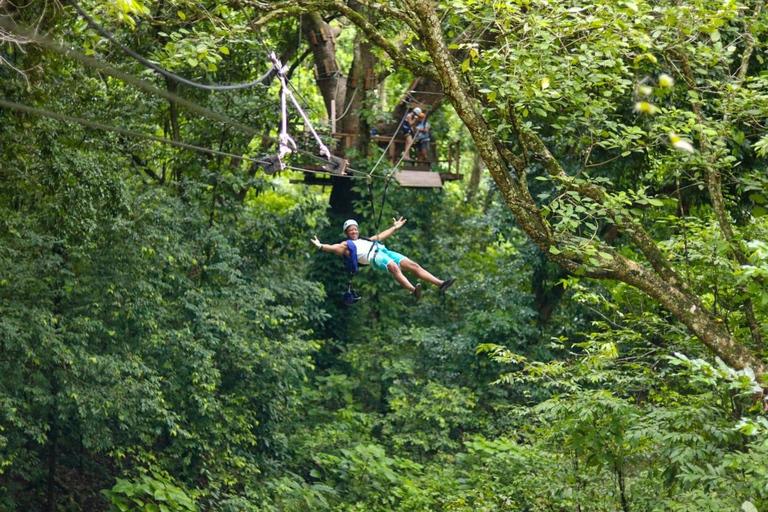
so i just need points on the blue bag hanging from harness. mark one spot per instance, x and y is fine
(350, 262)
(350, 297)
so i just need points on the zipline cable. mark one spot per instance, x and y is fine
(59, 48)
(151, 65)
(125, 77)
(349, 105)
(130, 79)
(131, 133)
(391, 140)
(123, 131)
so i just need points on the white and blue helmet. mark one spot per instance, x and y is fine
(350, 222)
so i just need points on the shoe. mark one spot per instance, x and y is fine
(447, 284)
(417, 292)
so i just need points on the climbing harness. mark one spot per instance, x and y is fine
(350, 297)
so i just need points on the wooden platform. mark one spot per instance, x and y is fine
(423, 179)
(412, 173)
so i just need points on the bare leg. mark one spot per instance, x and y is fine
(422, 151)
(408, 142)
(411, 266)
(399, 276)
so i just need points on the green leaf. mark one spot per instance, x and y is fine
(748, 506)
(181, 15)
(224, 50)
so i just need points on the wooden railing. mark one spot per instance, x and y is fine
(444, 157)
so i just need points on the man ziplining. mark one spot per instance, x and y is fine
(366, 251)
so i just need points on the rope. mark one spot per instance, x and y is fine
(151, 89)
(101, 30)
(349, 105)
(383, 202)
(125, 77)
(123, 131)
(131, 133)
(391, 140)
(278, 66)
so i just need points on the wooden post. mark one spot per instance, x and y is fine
(333, 116)
(368, 79)
(458, 155)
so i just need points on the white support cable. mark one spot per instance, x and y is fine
(132, 133)
(323, 148)
(280, 70)
(349, 105)
(286, 143)
(391, 140)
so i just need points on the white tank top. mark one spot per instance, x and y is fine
(363, 248)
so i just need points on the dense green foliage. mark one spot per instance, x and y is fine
(170, 340)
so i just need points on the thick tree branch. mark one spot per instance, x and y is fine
(583, 255)
(403, 16)
(691, 312)
(454, 88)
(399, 57)
(300, 7)
(714, 179)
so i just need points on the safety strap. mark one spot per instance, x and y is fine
(337, 165)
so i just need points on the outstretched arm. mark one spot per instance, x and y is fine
(340, 248)
(396, 224)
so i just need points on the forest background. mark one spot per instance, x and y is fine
(170, 339)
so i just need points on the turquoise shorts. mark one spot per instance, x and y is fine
(384, 256)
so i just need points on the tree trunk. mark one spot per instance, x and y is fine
(322, 41)
(362, 81)
(474, 179)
